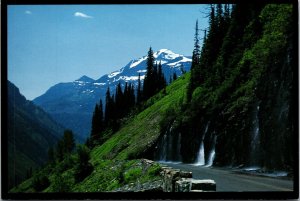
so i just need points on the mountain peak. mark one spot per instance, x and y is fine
(165, 54)
(162, 55)
(166, 51)
(85, 79)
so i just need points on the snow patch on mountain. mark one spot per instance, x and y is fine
(137, 62)
(178, 63)
(88, 91)
(80, 83)
(113, 74)
(130, 78)
(165, 54)
(99, 84)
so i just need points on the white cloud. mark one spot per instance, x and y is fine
(28, 12)
(79, 14)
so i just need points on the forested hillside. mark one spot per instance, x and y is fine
(240, 100)
(31, 132)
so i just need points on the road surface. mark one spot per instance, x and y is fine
(228, 180)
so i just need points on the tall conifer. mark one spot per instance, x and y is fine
(95, 130)
(108, 108)
(148, 90)
(139, 92)
(195, 62)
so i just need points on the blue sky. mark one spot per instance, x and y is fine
(60, 43)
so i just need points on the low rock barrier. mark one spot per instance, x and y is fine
(195, 185)
(172, 180)
(175, 180)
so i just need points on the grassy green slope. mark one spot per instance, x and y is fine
(143, 130)
(114, 161)
(133, 139)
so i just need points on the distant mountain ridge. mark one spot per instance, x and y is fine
(31, 132)
(72, 103)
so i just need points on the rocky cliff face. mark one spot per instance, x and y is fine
(248, 120)
(277, 111)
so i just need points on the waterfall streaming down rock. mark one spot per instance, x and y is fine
(179, 147)
(163, 149)
(255, 138)
(169, 145)
(201, 156)
(212, 153)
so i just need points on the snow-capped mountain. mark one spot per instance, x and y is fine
(72, 103)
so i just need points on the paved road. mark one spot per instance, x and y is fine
(228, 180)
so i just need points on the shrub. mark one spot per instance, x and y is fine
(40, 182)
(60, 184)
(132, 174)
(66, 164)
(83, 167)
(154, 170)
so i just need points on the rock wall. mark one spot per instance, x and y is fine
(172, 180)
(175, 180)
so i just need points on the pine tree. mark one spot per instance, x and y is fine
(132, 96)
(60, 150)
(227, 13)
(101, 120)
(126, 98)
(51, 155)
(211, 49)
(95, 130)
(174, 76)
(155, 83)
(195, 71)
(113, 111)
(182, 69)
(170, 79)
(148, 90)
(161, 77)
(68, 141)
(83, 166)
(120, 101)
(196, 51)
(88, 143)
(107, 107)
(29, 173)
(110, 111)
(97, 123)
(160, 74)
(219, 16)
(139, 92)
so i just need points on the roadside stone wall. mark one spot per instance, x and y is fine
(172, 180)
(175, 180)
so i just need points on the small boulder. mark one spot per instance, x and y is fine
(183, 185)
(184, 174)
(204, 185)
